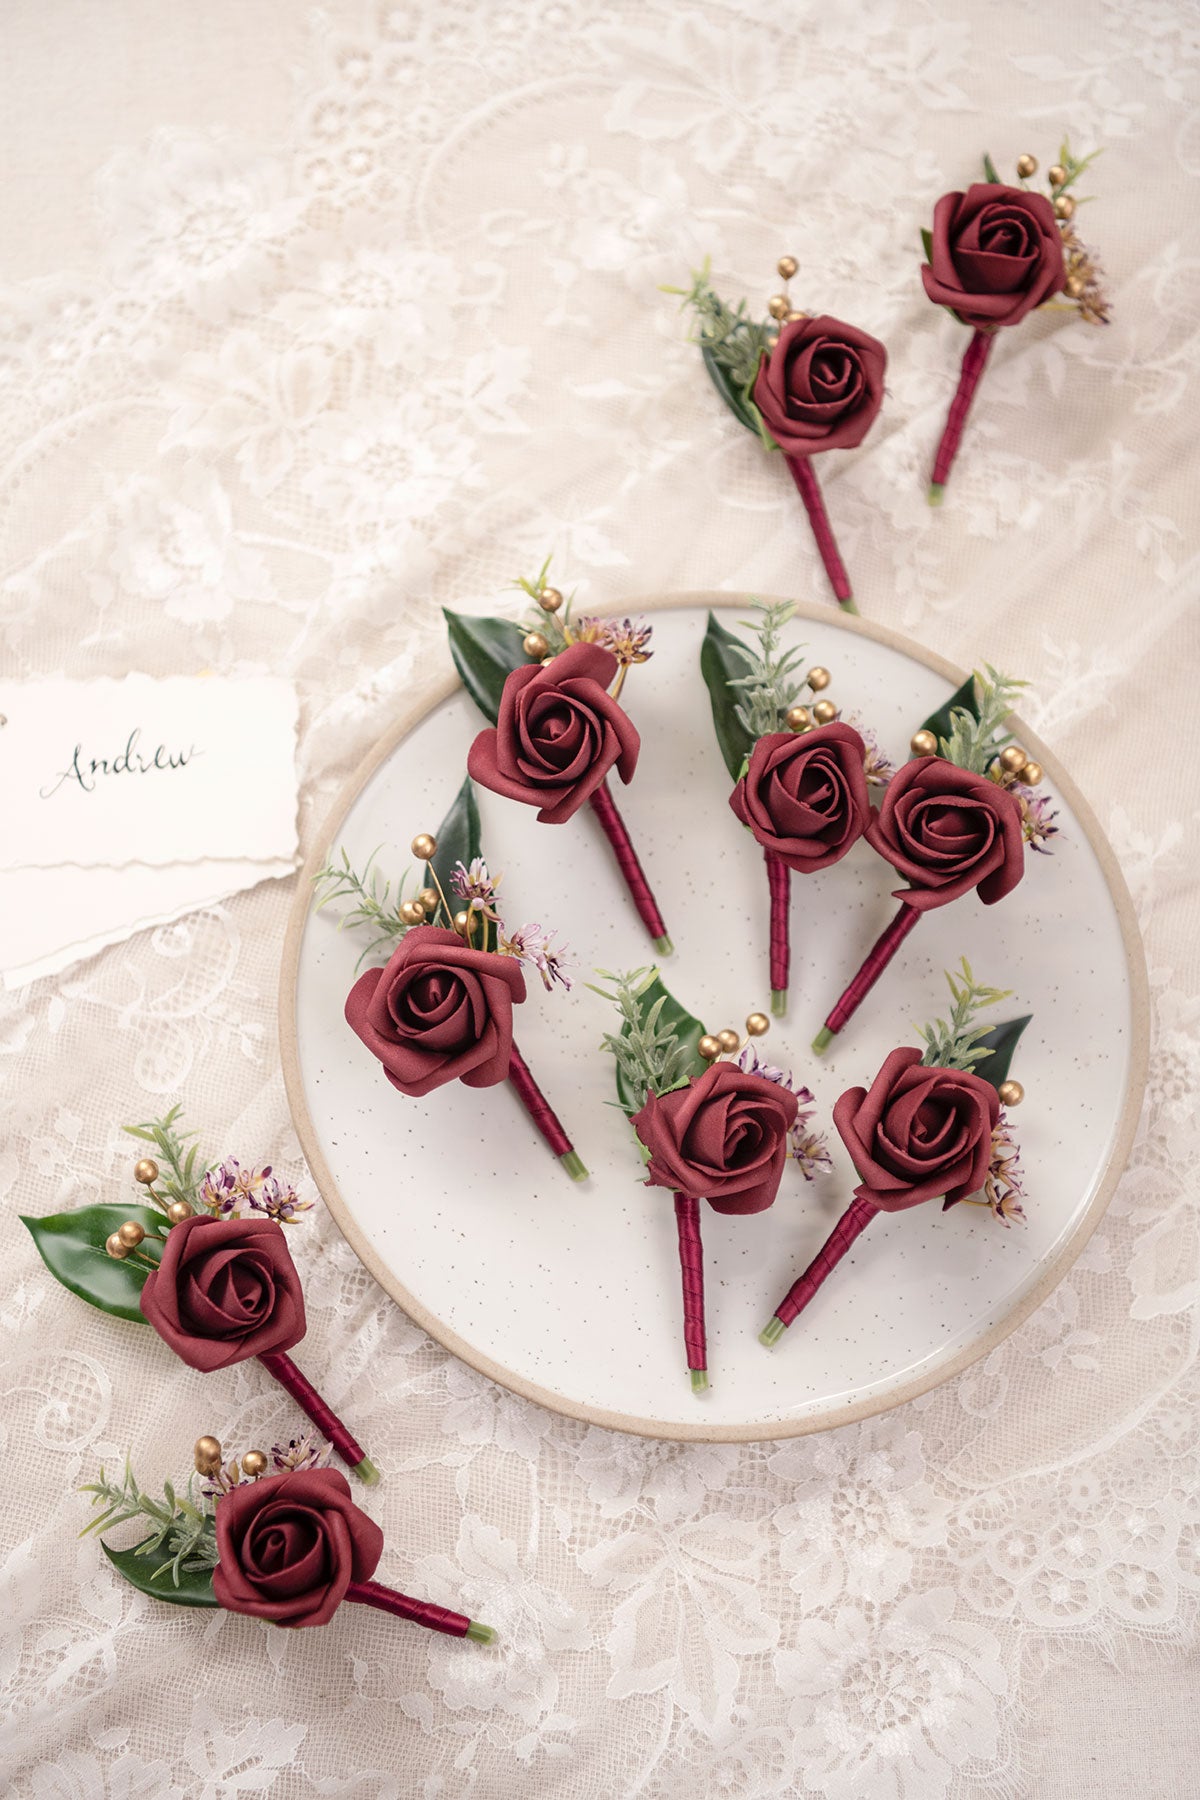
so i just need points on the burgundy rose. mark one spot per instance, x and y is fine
(438, 1012)
(225, 1290)
(290, 1546)
(919, 1132)
(996, 254)
(722, 1138)
(947, 830)
(558, 734)
(821, 386)
(804, 796)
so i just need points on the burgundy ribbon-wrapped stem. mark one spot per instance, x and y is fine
(537, 1105)
(875, 962)
(779, 880)
(973, 364)
(401, 1606)
(806, 482)
(613, 826)
(302, 1391)
(854, 1220)
(691, 1266)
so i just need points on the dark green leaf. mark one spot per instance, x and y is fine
(485, 652)
(1001, 1041)
(927, 240)
(963, 699)
(719, 665)
(458, 841)
(684, 1027)
(71, 1245)
(739, 404)
(147, 1574)
(989, 168)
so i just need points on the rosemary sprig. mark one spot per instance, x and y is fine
(372, 905)
(648, 1053)
(768, 687)
(177, 1524)
(974, 743)
(953, 1043)
(176, 1150)
(734, 341)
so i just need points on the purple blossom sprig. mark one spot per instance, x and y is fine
(809, 1148)
(878, 766)
(626, 639)
(307, 1452)
(229, 1191)
(532, 944)
(1004, 1188)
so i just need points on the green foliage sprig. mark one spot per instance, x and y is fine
(955, 1043)
(176, 1150)
(650, 1054)
(372, 905)
(974, 741)
(768, 688)
(178, 1526)
(732, 344)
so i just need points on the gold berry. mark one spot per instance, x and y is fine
(1064, 207)
(818, 678)
(1056, 175)
(115, 1248)
(1011, 1093)
(1032, 774)
(424, 847)
(179, 1210)
(777, 306)
(791, 316)
(923, 743)
(207, 1455)
(146, 1171)
(412, 912)
(1013, 758)
(824, 712)
(757, 1024)
(709, 1047)
(462, 922)
(254, 1464)
(787, 266)
(430, 899)
(550, 599)
(535, 645)
(1026, 165)
(798, 718)
(1075, 287)
(728, 1040)
(131, 1233)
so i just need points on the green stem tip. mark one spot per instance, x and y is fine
(847, 605)
(936, 490)
(366, 1471)
(822, 1041)
(573, 1163)
(699, 1380)
(663, 945)
(772, 1331)
(481, 1634)
(778, 1002)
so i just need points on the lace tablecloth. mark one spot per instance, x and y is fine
(320, 319)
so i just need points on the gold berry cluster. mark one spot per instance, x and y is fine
(728, 1043)
(821, 712)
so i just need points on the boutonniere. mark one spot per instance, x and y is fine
(552, 691)
(275, 1536)
(956, 819)
(441, 1008)
(801, 774)
(204, 1260)
(803, 383)
(931, 1126)
(713, 1122)
(995, 253)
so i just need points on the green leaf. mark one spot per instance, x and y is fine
(989, 168)
(964, 698)
(458, 841)
(927, 240)
(719, 666)
(1001, 1042)
(485, 652)
(739, 404)
(676, 1019)
(147, 1574)
(71, 1245)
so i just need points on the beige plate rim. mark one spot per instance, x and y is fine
(694, 1431)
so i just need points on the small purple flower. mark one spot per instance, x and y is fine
(626, 639)
(529, 943)
(307, 1452)
(1037, 818)
(1004, 1188)
(878, 768)
(278, 1200)
(229, 1191)
(475, 885)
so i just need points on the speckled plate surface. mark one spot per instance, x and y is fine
(569, 1294)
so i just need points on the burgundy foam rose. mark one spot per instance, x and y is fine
(291, 1545)
(996, 254)
(948, 830)
(918, 1132)
(804, 795)
(821, 386)
(225, 1290)
(438, 1012)
(722, 1138)
(558, 734)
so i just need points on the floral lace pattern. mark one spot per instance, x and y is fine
(297, 387)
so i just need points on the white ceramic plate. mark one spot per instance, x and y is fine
(569, 1294)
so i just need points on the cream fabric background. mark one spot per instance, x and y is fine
(318, 319)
